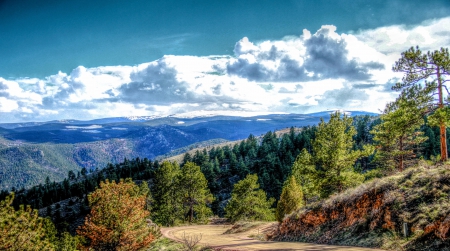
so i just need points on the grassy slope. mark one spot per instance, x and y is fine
(373, 214)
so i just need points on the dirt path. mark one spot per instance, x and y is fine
(212, 235)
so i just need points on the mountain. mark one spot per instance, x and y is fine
(29, 152)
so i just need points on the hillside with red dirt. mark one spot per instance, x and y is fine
(376, 213)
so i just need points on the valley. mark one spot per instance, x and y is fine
(71, 145)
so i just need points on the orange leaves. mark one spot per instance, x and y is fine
(118, 219)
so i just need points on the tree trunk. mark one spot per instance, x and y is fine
(443, 142)
(400, 164)
(191, 213)
(443, 131)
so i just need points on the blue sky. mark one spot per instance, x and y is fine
(90, 59)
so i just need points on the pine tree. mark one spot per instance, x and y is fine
(194, 193)
(167, 206)
(291, 198)
(67, 242)
(248, 202)
(334, 154)
(398, 135)
(432, 71)
(305, 173)
(118, 219)
(23, 229)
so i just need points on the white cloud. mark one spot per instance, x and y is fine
(391, 40)
(296, 74)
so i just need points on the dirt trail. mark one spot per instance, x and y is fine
(212, 235)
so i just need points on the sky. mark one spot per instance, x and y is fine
(88, 59)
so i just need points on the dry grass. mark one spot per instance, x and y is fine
(373, 213)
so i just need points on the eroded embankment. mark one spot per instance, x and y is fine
(373, 214)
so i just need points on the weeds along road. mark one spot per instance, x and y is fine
(213, 236)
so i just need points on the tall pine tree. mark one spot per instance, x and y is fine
(398, 135)
(432, 71)
(195, 194)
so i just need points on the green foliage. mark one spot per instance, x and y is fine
(249, 202)
(334, 155)
(180, 194)
(398, 136)
(23, 229)
(430, 71)
(167, 208)
(441, 114)
(291, 198)
(330, 167)
(306, 175)
(166, 245)
(195, 193)
(67, 242)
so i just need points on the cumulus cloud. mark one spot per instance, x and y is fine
(323, 55)
(297, 74)
(390, 40)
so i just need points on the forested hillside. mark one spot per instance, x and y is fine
(270, 157)
(72, 145)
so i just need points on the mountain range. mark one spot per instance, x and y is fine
(31, 151)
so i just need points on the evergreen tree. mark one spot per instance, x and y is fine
(117, 220)
(330, 167)
(67, 242)
(398, 135)
(291, 198)
(306, 175)
(248, 202)
(334, 154)
(433, 71)
(195, 193)
(23, 229)
(167, 207)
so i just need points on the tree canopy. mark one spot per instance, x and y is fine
(334, 155)
(23, 229)
(118, 219)
(398, 137)
(291, 198)
(195, 194)
(430, 70)
(249, 202)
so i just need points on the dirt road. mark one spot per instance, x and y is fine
(212, 235)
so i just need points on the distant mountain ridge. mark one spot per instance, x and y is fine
(31, 151)
(171, 119)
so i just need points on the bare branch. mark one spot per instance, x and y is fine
(190, 241)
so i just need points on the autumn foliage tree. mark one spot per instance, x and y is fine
(118, 218)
